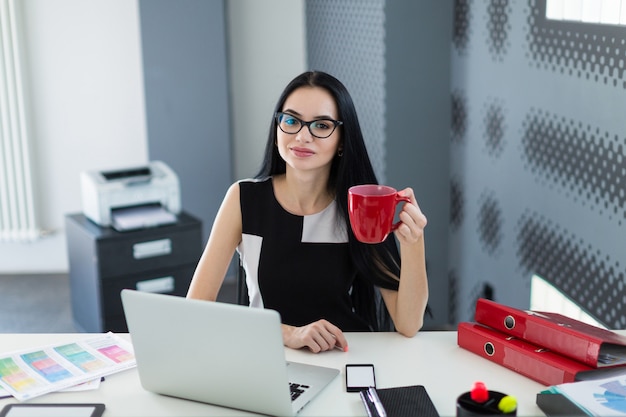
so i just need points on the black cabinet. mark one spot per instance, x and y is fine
(103, 261)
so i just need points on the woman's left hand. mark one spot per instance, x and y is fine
(411, 230)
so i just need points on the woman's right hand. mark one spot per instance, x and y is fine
(318, 336)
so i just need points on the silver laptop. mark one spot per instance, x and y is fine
(218, 353)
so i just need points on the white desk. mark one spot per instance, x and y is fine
(432, 359)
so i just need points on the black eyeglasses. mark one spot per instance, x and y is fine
(320, 128)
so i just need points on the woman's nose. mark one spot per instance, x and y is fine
(304, 135)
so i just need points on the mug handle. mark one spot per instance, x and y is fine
(399, 198)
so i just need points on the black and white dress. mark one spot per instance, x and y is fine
(297, 265)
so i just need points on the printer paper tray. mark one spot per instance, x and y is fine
(141, 217)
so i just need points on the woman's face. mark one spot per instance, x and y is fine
(302, 150)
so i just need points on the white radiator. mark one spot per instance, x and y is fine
(17, 210)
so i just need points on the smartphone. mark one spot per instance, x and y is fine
(359, 376)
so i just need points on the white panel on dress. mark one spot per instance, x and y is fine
(323, 227)
(249, 251)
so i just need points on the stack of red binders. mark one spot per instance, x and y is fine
(548, 347)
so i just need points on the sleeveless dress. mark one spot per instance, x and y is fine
(297, 265)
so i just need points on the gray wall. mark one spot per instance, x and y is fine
(538, 158)
(187, 102)
(394, 58)
(261, 61)
(417, 109)
(347, 39)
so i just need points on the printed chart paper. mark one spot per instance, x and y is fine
(601, 397)
(29, 373)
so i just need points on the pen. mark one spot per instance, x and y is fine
(371, 391)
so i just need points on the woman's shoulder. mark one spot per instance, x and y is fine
(254, 181)
(254, 185)
(252, 189)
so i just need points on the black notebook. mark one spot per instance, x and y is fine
(406, 401)
(558, 405)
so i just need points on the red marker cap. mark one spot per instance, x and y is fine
(479, 392)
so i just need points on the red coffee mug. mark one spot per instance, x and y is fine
(371, 209)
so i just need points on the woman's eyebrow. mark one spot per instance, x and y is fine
(320, 117)
(295, 113)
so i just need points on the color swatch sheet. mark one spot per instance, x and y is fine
(30, 373)
(92, 384)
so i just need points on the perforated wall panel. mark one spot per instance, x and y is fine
(346, 39)
(538, 149)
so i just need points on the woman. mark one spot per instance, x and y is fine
(290, 226)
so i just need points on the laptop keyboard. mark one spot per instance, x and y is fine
(297, 390)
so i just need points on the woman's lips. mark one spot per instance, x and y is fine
(302, 152)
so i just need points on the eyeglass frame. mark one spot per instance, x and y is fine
(335, 123)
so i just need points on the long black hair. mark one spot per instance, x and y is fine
(379, 264)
